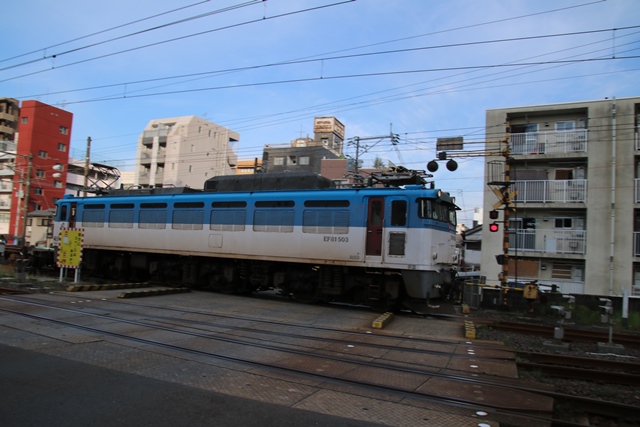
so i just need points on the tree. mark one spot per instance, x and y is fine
(378, 163)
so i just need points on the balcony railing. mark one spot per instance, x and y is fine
(637, 190)
(548, 241)
(636, 243)
(551, 191)
(572, 141)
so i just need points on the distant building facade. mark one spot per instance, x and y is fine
(574, 176)
(306, 154)
(247, 167)
(44, 139)
(184, 152)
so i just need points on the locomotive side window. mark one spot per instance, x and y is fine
(153, 216)
(273, 221)
(327, 204)
(186, 217)
(121, 215)
(398, 213)
(324, 221)
(93, 216)
(228, 220)
(276, 220)
(228, 216)
(275, 204)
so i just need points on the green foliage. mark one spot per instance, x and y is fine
(378, 163)
(583, 315)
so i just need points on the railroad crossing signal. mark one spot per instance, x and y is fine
(504, 195)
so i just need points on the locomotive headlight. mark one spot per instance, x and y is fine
(453, 200)
(439, 193)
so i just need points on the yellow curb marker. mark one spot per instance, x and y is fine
(469, 330)
(381, 321)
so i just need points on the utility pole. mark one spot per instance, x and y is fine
(87, 166)
(393, 137)
(23, 235)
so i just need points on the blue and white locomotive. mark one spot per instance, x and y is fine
(377, 246)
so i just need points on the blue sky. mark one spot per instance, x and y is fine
(423, 68)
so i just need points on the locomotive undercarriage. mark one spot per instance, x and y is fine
(381, 290)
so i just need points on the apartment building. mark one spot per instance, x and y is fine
(184, 152)
(573, 176)
(306, 154)
(44, 138)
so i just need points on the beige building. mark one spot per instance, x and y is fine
(184, 152)
(576, 171)
(9, 116)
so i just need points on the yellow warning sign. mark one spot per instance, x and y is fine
(70, 249)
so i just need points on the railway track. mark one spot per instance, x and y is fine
(269, 340)
(570, 334)
(581, 368)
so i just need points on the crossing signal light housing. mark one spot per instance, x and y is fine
(493, 214)
(493, 227)
(500, 259)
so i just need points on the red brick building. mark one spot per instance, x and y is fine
(44, 139)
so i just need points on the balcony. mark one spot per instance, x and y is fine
(551, 191)
(549, 241)
(553, 142)
(636, 243)
(5, 170)
(636, 187)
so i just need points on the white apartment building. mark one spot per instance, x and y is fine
(575, 169)
(184, 152)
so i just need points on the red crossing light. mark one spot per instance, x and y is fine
(493, 227)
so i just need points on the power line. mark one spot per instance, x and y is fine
(335, 58)
(44, 49)
(253, 21)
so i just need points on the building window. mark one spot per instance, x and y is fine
(37, 191)
(62, 147)
(190, 167)
(293, 160)
(42, 154)
(57, 184)
(25, 120)
(64, 130)
(304, 160)
(40, 173)
(278, 161)
(564, 223)
(565, 125)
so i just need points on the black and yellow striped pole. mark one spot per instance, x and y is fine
(506, 200)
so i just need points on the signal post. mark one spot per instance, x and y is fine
(500, 183)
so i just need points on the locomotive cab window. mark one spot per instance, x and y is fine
(437, 210)
(63, 213)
